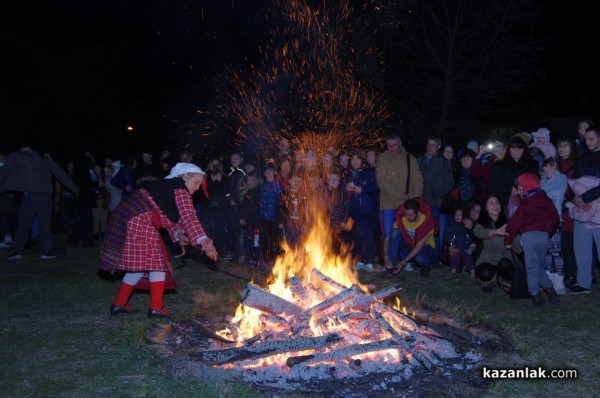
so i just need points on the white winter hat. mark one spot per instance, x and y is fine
(473, 145)
(181, 168)
(542, 132)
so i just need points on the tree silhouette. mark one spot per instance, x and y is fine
(454, 65)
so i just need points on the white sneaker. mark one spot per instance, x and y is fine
(15, 257)
(359, 265)
(4, 245)
(408, 267)
(46, 257)
(369, 267)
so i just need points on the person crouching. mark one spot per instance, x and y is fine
(133, 244)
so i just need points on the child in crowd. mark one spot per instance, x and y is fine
(460, 244)
(270, 190)
(535, 218)
(541, 140)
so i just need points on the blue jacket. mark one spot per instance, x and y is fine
(367, 200)
(459, 233)
(269, 193)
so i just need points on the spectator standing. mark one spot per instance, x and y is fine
(115, 193)
(504, 172)
(535, 220)
(292, 213)
(582, 126)
(437, 181)
(336, 210)
(585, 234)
(124, 179)
(568, 155)
(361, 187)
(83, 229)
(398, 179)
(235, 179)
(248, 216)
(216, 206)
(269, 233)
(148, 170)
(27, 171)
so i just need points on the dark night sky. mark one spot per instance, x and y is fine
(117, 63)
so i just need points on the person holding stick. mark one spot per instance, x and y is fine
(133, 244)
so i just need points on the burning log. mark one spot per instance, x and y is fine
(273, 320)
(399, 320)
(342, 353)
(327, 281)
(256, 298)
(265, 349)
(368, 299)
(301, 321)
(344, 295)
(407, 341)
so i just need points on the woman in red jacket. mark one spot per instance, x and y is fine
(133, 244)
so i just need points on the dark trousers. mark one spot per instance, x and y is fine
(84, 229)
(214, 223)
(363, 235)
(32, 205)
(269, 240)
(251, 246)
(232, 230)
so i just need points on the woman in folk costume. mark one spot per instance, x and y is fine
(133, 244)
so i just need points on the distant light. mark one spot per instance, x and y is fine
(129, 128)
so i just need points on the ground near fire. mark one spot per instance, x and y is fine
(59, 340)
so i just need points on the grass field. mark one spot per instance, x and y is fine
(58, 339)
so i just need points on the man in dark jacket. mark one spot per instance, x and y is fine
(248, 211)
(29, 172)
(437, 181)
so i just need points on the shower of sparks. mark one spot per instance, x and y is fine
(305, 87)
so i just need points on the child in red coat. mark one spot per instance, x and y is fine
(535, 218)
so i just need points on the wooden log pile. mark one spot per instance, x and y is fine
(347, 324)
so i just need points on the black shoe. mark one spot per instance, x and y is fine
(570, 281)
(162, 313)
(117, 309)
(227, 256)
(552, 295)
(538, 300)
(576, 289)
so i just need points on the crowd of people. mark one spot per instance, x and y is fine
(529, 201)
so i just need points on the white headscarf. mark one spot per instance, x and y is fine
(181, 168)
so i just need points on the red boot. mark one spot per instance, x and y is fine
(156, 310)
(119, 306)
